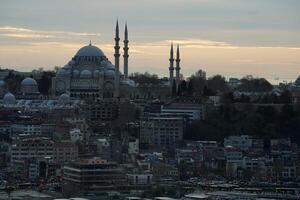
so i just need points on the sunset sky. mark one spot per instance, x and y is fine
(229, 37)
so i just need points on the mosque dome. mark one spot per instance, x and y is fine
(9, 99)
(86, 74)
(109, 74)
(76, 73)
(28, 82)
(64, 98)
(89, 50)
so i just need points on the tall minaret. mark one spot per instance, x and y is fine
(126, 53)
(171, 67)
(177, 68)
(117, 61)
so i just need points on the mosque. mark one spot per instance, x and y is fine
(89, 74)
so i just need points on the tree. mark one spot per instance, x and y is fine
(198, 80)
(145, 78)
(250, 84)
(13, 82)
(45, 82)
(217, 83)
(285, 97)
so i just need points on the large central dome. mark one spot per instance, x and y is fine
(89, 50)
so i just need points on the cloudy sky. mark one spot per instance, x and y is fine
(229, 37)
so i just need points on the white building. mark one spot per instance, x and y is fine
(133, 146)
(191, 110)
(243, 142)
(140, 179)
(76, 135)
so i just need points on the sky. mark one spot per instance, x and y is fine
(229, 37)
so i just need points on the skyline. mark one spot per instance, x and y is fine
(230, 37)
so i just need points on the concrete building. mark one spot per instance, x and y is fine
(244, 142)
(94, 175)
(41, 148)
(140, 179)
(162, 130)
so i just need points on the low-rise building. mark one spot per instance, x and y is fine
(93, 175)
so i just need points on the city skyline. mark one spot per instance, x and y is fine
(230, 37)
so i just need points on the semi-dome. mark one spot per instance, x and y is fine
(9, 99)
(110, 66)
(64, 98)
(76, 73)
(104, 63)
(89, 50)
(96, 73)
(61, 72)
(29, 82)
(71, 62)
(85, 74)
(67, 66)
(109, 74)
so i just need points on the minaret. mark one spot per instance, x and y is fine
(171, 67)
(177, 68)
(126, 53)
(117, 61)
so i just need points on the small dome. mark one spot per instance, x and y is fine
(104, 63)
(110, 66)
(9, 99)
(2, 83)
(67, 66)
(109, 74)
(61, 72)
(90, 50)
(64, 98)
(86, 74)
(29, 82)
(71, 62)
(96, 73)
(75, 73)
(128, 82)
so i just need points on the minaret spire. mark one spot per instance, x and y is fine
(177, 65)
(126, 55)
(117, 60)
(171, 67)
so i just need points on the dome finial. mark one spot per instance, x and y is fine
(90, 43)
